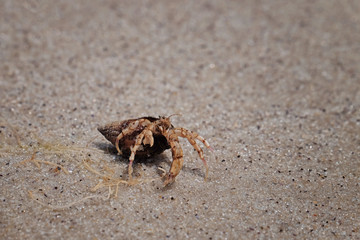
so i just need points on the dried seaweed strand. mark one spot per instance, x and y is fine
(31, 195)
(37, 163)
(109, 181)
(14, 131)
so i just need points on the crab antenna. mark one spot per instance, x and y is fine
(179, 114)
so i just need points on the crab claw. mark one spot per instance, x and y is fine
(148, 138)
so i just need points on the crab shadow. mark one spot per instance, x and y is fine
(158, 160)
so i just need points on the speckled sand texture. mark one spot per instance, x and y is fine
(274, 86)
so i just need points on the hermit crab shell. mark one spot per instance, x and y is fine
(112, 130)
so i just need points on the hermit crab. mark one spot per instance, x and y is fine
(146, 136)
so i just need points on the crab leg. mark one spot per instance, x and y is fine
(130, 129)
(177, 155)
(184, 132)
(191, 136)
(146, 136)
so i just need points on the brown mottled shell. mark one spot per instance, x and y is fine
(112, 130)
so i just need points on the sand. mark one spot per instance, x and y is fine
(272, 85)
